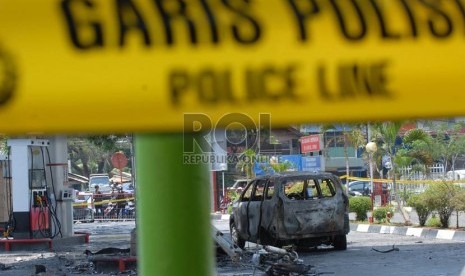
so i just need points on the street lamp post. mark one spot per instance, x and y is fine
(223, 168)
(222, 180)
(371, 148)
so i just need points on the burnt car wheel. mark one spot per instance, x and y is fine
(236, 239)
(340, 242)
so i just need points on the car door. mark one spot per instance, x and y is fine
(241, 211)
(254, 213)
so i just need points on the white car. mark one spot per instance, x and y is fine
(102, 180)
(238, 185)
(359, 188)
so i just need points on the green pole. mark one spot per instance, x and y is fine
(173, 224)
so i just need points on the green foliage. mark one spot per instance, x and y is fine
(229, 209)
(405, 195)
(360, 205)
(275, 167)
(434, 222)
(325, 191)
(380, 213)
(3, 146)
(447, 144)
(296, 188)
(423, 210)
(281, 167)
(247, 162)
(458, 201)
(233, 196)
(299, 187)
(440, 197)
(105, 142)
(92, 154)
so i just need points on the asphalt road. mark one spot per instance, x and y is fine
(415, 256)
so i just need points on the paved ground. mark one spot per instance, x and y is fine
(70, 259)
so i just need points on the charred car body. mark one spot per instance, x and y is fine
(303, 209)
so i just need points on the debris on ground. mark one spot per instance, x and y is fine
(108, 250)
(224, 245)
(68, 259)
(386, 251)
(281, 261)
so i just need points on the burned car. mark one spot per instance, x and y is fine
(302, 209)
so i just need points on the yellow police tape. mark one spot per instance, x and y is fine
(404, 181)
(350, 178)
(81, 204)
(176, 63)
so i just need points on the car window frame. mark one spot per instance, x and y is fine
(247, 187)
(308, 182)
(267, 189)
(253, 196)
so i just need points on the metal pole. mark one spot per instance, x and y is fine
(371, 148)
(371, 187)
(222, 175)
(173, 228)
(371, 173)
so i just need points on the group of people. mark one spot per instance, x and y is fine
(111, 210)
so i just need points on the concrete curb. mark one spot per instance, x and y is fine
(445, 234)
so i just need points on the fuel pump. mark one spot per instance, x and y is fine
(30, 199)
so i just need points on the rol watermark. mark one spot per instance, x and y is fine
(223, 141)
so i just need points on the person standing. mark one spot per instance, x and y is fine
(98, 198)
(121, 202)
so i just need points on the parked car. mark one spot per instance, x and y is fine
(455, 175)
(238, 186)
(458, 176)
(359, 188)
(303, 209)
(102, 180)
(128, 187)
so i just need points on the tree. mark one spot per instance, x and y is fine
(458, 201)
(440, 197)
(109, 144)
(403, 152)
(279, 167)
(353, 135)
(386, 134)
(91, 154)
(3, 146)
(423, 210)
(445, 145)
(246, 163)
(412, 152)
